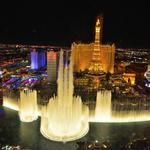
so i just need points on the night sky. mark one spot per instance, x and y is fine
(60, 22)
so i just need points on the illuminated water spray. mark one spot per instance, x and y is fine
(65, 118)
(28, 110)
(103, 106)
(104, 112)
(10, 103)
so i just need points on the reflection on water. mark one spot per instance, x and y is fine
(14, 132)
(27, 135)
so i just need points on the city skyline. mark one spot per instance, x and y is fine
(60, 23)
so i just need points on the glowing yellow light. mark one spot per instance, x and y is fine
(104, 146)
(28, 110)
(64, 118)
(96, 141)
(129, 76)
(10, 103)
(89, 146)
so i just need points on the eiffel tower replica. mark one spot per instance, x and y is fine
(96, 65)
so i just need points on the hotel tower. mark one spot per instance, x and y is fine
(95, 57)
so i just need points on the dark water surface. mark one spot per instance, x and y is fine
(27, 135)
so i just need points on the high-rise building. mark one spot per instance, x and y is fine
(52, 66)
(38, 59)
(95, 56)
(1, 90)
(82, 55)
(147, 73)
(148, 66)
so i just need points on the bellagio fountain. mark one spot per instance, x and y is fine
(64, 118)
(28, 109)
(106, 112)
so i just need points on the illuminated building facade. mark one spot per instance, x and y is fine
(94, 56)
(148, 66)
(82, 56)
(38, 59)
(1, 90)
(147, 74)
(51, 66)
(129, 78)
(81, 82)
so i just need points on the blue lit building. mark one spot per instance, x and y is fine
(147, 74)
(38, 59)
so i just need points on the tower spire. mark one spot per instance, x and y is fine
(97, 31)
(96, 66)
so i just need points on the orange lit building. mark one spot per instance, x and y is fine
(82, 55)
(51, 66)
(129, 77)
(94, 56)
(148, 66)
